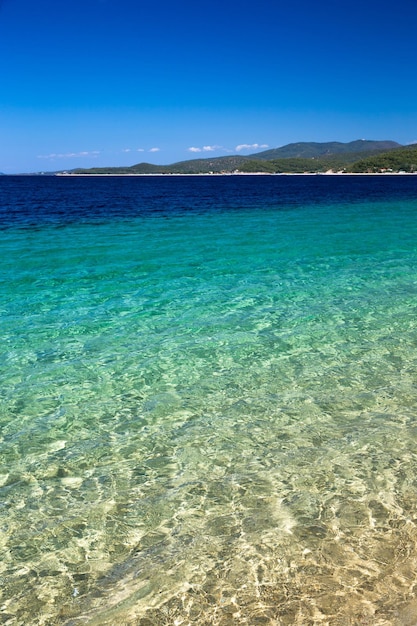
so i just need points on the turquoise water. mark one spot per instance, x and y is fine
(210, 418)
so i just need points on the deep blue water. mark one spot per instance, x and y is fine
(208, 399)
(31, 201)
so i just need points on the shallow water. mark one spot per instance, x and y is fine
(208, 401)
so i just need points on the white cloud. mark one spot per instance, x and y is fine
(140, 150)
(205, 149)
(250, 146)
(67, 155)
(154, 150)
(127, 150)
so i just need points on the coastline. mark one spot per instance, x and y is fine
(70, 174)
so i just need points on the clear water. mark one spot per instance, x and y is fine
(208, 400)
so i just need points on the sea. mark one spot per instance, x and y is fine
(208, 400)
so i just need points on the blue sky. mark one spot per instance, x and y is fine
(95, 83)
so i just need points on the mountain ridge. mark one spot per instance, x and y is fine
(311, 149)
(292, 158)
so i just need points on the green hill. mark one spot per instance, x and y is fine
(140, 168)
(313, 150)
(355, 156)
(335, 163)
(402, 159)
(193, 166)
(205, 166)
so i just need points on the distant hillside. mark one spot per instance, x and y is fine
(311, 150)
(215, 165)
(140, 168)
(193, 166)
(355, 156)
(402, 159)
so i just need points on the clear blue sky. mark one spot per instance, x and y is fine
(94, 82)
